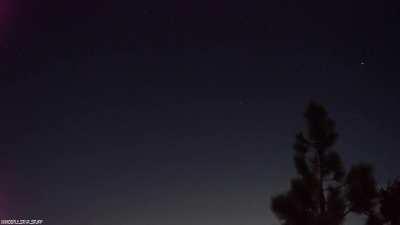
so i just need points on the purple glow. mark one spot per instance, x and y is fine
(7, 15)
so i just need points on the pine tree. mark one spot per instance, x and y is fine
(390, 203)
(388, 210)
(323, 193)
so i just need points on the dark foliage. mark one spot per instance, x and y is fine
(388, 212)
(390, 203)
(324, 193)
(361, 191)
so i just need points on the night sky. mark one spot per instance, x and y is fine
(184, 112)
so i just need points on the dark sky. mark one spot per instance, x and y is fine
(184, 113)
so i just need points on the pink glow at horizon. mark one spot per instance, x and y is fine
(7, 190)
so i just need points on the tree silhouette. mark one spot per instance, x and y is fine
(388, 211)
(323, 193)
(390, 203)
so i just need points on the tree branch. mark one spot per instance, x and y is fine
(346, 212)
